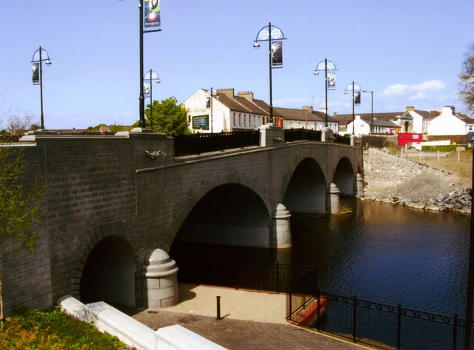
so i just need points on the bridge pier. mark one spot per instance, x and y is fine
(359, 185)
(159, 280)
(281, 227)
(334, 198)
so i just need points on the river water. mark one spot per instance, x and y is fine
(387, 253)
(378, 252)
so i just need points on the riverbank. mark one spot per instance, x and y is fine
(396, 180)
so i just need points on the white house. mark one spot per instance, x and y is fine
(448, 123)
(415, 121)
(306, 117)
(364, 124)
(225, 111)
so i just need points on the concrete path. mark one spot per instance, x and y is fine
(252, 320)
(235, 303)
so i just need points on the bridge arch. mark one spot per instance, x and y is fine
(344, 177)
(306, 190)
(108, 273)
(228, 214)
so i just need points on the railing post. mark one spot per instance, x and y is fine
(354, 320)
(455, 332)
(318, 320)
(290, 311)
(218, 300)
(277, 278)
(399, 326)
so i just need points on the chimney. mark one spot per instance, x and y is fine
(227, 92)
(248, 95)
(410, 109)
(448, 110)
(307, 108)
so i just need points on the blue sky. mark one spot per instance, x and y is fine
(408, 52)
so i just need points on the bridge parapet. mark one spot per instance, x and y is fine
(271, 136)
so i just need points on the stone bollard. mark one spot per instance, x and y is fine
(334, 197)
(360, 185)
(160, 280)
(281, 227)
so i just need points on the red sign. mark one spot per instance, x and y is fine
(279, 122)
(405, 138)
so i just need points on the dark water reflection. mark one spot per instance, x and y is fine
(387, 253)
(379, 252)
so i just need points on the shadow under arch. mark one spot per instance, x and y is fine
(307, 190)
(230, 214)
(344, 177)
(109, 273)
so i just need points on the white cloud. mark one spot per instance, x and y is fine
(419, 89)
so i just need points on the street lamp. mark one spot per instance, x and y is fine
(326, 65)
(372, 109)
(141, 32)
(151, 76)
(39, 56)
(354, 87)
(269, 33)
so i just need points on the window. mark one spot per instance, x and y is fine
(234, 120)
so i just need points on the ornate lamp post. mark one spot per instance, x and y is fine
(153, 20)
(324, 66)
(269, 33)
(151, 76)
(39, 56)
(353, 87)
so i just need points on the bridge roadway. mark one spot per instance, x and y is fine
(111, 200)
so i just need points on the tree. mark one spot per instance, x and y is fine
(466, 78)
(20, 199)
(168, 117)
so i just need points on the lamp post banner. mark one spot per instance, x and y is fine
(152, 13)
(331, 80)
(277, 53)
(35, 73)
(146, 89)
(357, 97)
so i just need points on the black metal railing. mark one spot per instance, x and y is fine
(344, 139)
(302, 134)
(201, 143)
(380, 325)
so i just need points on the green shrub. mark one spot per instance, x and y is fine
(35, 329)
(441, 148)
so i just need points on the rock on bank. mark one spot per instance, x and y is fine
(397, 180)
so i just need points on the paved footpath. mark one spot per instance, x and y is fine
(242, 326)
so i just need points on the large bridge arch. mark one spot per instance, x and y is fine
(228, 214)
(306, 190)
(344, 176)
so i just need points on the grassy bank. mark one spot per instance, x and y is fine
(54, 330)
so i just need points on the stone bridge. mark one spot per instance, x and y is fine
(112, 200)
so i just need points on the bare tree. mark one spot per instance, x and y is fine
(466, 78)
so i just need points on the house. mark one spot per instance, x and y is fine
(450, 123)
(416, 121)
(305, 117)
(225, 111)
(366, 123)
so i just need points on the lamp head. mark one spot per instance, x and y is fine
(256, 44)
(48, 62)
(316, 72)
(158, 81)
